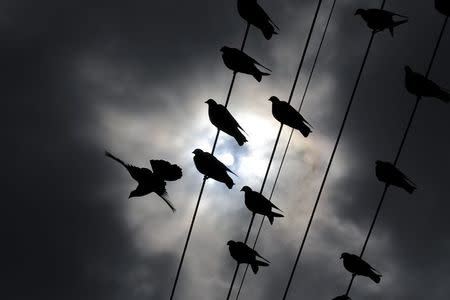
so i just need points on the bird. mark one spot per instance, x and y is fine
(420, 86)
(237, 61)
(379, 19)
(253, 13)
(287, 115)
(389, 174)
(259, 204)
(148, 181)
(342, 297)
(211, 167)
(224, 121)
(355, 265)
(443, 6)
(243, 254)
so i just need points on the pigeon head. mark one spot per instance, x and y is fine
(360, 11)
(246, 189)
(197, 151)
(210, 102)
(408, 69)
(344, 255)
(230, 243)
(378, 162)
(274, 99)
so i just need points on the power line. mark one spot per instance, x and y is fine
(278, 135)
(397, 156)
(290, 136)
(291, 276)
(204, 179)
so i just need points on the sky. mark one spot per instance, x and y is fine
(82, 77)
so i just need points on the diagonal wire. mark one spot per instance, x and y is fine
(278, 135)
(204, 179)
(397, 156)
(291, 276)
(290, 136)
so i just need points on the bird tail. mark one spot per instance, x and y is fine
(268, 30)
(240, 138)
(444, 96)
(229, 182)
(409, 187)
(397, 23)
(273, 215)
(375, 277)
(258, 75)
(164, 197)
(256, 264)
(304, 129)
(108, 154)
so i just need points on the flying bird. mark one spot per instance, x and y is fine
(211, 167)
(259, 204)
(148, 181)
(238, 61)
(243, 254)
(443, 6)
(224, 121)
(379, 19)
(251, 12)
(419, 85)
(287, 115)
(389, 174)
(355, 265)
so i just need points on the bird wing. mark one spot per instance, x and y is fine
(258, 255)
(228, 117)
(289, 113)
(166, 170)
(218, 163)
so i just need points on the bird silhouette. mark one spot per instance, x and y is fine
(213, 168)
(243, 254)
(224, 121)
(259, 204)
(379, 19)
(148, 181)
(418, 85)
(342, 297)
(355, 265)
(251, 12)
(287, 115)
(389, 174)
(238, 61)
(443, 6)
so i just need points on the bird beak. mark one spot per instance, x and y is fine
(193, 152)
(242, 189)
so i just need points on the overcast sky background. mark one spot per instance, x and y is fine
(131, 77)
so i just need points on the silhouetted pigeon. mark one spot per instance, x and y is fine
(243, 254)
(251, 12)
(443, 6)
(238, 61)
(259, 204)
(287, 115)
(342, 297)
(211, 167)
(379, 19)
(418, 85)
(224, 121)
(388, 173)
(357, 266)
(148, 181)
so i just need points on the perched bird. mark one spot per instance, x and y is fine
(148, 181)
(418, 85)
(251, 12)
(211, 167)
(243, 254)
(287, 115)
(342, 297)
(443, 6)
(238, 61)
(357, 266)
(379, 19)
(389, 174)
(224, 121)
(259, 204)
